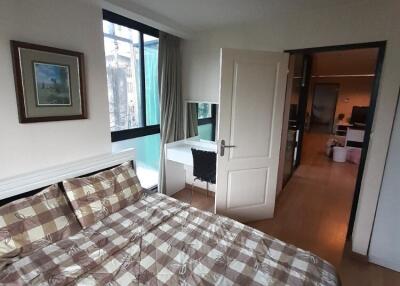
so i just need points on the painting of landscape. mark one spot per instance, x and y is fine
(52, 84)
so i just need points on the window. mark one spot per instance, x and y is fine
(131, 51)
(206, 114)
(204, 110)
(151, 79)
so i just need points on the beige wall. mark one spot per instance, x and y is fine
(75, 25)
(353, 91)
(357, 61)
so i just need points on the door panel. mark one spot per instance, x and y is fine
(237, 192)
(252, 94)
(252, 79)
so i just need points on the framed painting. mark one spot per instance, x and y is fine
(49, 82)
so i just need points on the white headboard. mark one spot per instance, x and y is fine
(38, 179)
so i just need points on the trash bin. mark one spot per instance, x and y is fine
(354, 155)
(339, 154)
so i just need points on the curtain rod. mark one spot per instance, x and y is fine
(339, 75)
(345, 75)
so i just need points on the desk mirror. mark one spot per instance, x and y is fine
(201, 120)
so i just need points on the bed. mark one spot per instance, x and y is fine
(158, 240)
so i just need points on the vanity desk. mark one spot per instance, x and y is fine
(200, 128)
(179, 162)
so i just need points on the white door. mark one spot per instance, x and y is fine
(252, 97)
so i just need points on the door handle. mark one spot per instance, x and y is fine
(223, 146)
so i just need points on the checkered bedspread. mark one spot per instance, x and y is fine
(161, 241)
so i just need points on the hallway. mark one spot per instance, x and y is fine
(313, 210)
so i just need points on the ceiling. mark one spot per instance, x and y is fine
(198, 15)
(356, 62)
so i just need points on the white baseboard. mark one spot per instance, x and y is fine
(387, 263)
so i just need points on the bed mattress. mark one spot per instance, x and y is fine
(161, 241)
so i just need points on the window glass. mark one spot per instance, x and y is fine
(151, 79)
(122, 51)
(205, 132)
(133, 92)
(204, 110)
(147, 159)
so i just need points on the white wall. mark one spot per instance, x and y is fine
(341, 23)
(200, 71)
(74, 25)
(385, 241)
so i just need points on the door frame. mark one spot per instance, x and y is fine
(300, 116)
(337, 85)
(381, 46)
(302, 109)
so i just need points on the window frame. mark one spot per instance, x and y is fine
(208, 120)
(142, 29)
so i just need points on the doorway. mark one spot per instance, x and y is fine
(316, 208)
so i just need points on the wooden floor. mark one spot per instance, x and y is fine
(199, 200)
(312, 212)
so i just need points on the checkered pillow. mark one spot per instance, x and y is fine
(102, 194)
(30, 223)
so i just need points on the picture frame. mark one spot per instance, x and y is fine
(49, 82)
